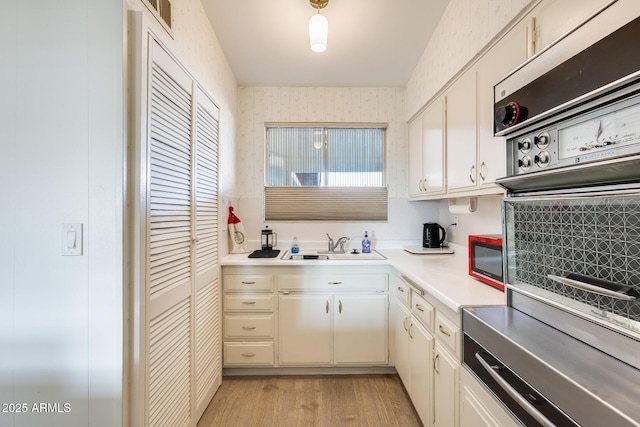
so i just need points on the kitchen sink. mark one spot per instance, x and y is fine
(335, 256)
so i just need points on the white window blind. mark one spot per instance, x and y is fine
(325, 173)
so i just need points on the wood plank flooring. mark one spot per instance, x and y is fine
(313, 401)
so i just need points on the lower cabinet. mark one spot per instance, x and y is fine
(420, 354)
(413, 355)
(478, 408)
(426, 354)
(332, 329)
(445, 387)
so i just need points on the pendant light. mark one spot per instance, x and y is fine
(318, 27)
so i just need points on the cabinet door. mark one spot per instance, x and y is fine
(445, 388)
(433, 148)
(420, 384)
(402, 320)
(360, 329)
(553, 21)
(415, 158)
(503, 58)
(480, 408)
(461, 133)
(305, 329)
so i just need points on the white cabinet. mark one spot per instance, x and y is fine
(249, 320)
(427, 353)
(331, 329)
(360, 329)
(305, 329)
(478, 408)
(401, 322)
(551, 20)
(445, 387)
(427, 152)
(413, 350)
(420, 356)
(462, 173)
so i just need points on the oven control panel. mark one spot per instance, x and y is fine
(605, 133)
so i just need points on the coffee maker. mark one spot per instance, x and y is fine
(268, 239)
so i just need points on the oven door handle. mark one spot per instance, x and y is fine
(522, 401)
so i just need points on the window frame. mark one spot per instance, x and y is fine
(358, 203)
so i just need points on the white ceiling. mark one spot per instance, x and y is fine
(372, 43)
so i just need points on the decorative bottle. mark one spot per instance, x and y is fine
(366, 244)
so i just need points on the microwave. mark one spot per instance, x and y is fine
(485, 259)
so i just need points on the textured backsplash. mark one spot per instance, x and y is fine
(597, 236)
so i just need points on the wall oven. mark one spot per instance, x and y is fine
(565, 351)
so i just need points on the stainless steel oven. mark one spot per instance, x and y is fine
(565, 350)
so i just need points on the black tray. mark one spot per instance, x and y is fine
(262, 253)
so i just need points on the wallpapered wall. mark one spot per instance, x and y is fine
(466, 27)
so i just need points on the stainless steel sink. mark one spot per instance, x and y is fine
(335, 256)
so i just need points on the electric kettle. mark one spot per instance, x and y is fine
(431, 235)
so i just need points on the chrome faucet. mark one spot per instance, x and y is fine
(340, 243)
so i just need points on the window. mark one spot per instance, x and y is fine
(333, 173)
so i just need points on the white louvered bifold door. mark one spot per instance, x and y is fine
(170, 243)
(208, 358)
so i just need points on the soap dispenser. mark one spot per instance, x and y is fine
(295, 248)
(366, 244)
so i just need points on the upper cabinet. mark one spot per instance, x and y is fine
(427, 152)
(454, 154)
(554, 18)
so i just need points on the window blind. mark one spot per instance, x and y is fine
(325, 173)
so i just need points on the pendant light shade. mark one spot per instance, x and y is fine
(318, 32)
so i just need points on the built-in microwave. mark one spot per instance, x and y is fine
(485, 259)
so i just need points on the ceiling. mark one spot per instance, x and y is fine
(371, 43)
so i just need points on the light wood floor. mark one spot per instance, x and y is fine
(314, 401)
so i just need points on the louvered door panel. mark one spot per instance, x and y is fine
(169, 367)
(170, 261)
(208, 355)
(208, 341)
(206, 190)
(170, 184)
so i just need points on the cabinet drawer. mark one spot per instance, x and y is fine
(333, 283)
(403, 292)
(246, 354)
(248, 303)
(248, 326)
(447, 332)
(423, 311)
(248, 283)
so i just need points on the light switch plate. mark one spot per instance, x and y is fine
(71, 239)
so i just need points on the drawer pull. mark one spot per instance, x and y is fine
(436, 364)
(410, 331)
(249, 283)
(248, 302)
(327, 307)
(335, 283)
(419, 307)
(400, 289)
(404, 324)
(248, 355)
(444, 331)
(340, 306)
(248, 328)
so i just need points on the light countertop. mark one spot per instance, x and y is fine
(445, 276)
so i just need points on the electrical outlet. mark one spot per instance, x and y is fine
(455, 220)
